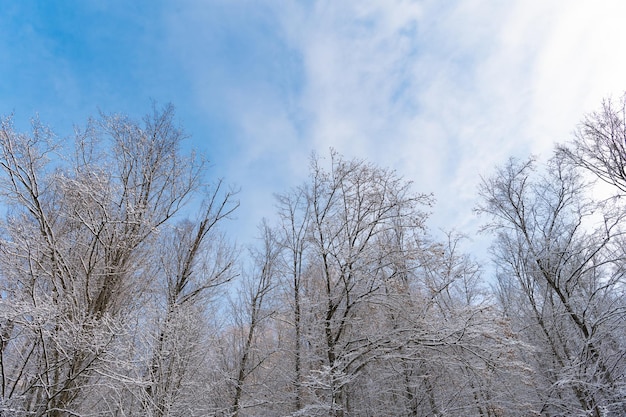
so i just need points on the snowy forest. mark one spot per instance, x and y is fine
(121, 294)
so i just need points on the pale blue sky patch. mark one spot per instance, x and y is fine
(67, 59)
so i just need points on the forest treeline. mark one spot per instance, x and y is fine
(120, 294)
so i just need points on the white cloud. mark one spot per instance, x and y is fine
(579, 64)
(441, 92)
(397, 83)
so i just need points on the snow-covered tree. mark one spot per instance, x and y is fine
(78, 246)
(560, 258)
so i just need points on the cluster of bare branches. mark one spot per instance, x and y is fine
(120, 294)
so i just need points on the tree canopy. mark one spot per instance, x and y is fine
(121, 293)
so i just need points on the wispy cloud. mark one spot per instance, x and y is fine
(440, 92)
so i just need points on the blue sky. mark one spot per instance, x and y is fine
(439, 90)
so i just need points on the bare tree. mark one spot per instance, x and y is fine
(252, 312)
(194, 260)
(74, 248)
(599, 144)
(564, 254)
(294, 217)
(351, 206)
